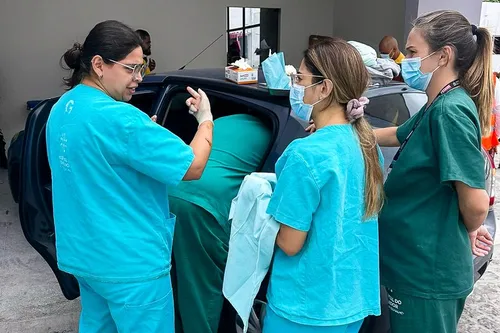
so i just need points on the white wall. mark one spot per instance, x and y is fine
(36, 33)
(490, 17)
(369, 21)
(469, 8)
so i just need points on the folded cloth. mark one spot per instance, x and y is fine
(383, 71)
(251, 244)
(368, 53)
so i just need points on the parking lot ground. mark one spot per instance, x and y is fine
(31, 301)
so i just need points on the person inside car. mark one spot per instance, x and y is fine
(111, 167)
(436, 198)
(202, 231)
(146, 50)
(325, 275)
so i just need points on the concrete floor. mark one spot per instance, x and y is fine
(30, 299)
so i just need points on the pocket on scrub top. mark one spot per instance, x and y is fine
(166, 235)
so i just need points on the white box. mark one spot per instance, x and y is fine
(242, 76)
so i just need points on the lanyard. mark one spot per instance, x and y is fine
(449, 87)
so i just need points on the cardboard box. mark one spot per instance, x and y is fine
(242, 76)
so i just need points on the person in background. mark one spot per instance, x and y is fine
(325, 274)
(436, 201)
(113, 229)
(233, 52)
(146, 50)
(201, 237)
(389, 49)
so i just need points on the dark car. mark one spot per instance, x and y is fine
(164, 96)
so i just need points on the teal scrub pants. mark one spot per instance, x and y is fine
(276, 324)
(145, 307)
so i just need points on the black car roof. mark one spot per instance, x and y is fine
(215, 78)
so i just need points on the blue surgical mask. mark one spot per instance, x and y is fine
(300, 109)
(385, 56)
(413, 76)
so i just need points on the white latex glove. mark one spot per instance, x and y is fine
(199, 106)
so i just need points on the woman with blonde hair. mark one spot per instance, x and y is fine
(325, 276)
(435, 191)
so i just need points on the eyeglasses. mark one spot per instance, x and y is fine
(296, 78)
(138, 69)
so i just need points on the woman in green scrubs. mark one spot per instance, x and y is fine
(435, 190)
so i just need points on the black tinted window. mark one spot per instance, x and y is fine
(143, 100)
(387, 110)
(177, 119)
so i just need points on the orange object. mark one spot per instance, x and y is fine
(491, 141)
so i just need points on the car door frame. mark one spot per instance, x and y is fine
(33, 208)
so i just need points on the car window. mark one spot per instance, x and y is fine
(415, 101)
(177, 119)
(386, 111)
(144, 100)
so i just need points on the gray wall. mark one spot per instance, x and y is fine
(411, 13)
(469, 8)
(369, 21)
(36, 33)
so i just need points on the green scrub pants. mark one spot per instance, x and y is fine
(410, 314)
(199, 257)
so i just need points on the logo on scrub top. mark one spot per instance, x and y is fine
(69, 106)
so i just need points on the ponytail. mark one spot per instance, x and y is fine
(374, 177)
(72, 60)
(339, 62)
(478, 81)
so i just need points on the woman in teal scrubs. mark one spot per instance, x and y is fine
(111, 167)
(325, 275)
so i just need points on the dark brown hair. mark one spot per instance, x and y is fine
(109, 39)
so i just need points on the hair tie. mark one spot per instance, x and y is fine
(356, 108)
(78, 47)
(474, 30)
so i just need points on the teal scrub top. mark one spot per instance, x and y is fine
(111, 166)
(334, 279)
(239, 146)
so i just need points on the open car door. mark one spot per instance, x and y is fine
(35, 199)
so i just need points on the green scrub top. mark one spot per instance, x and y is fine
(424, 244)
